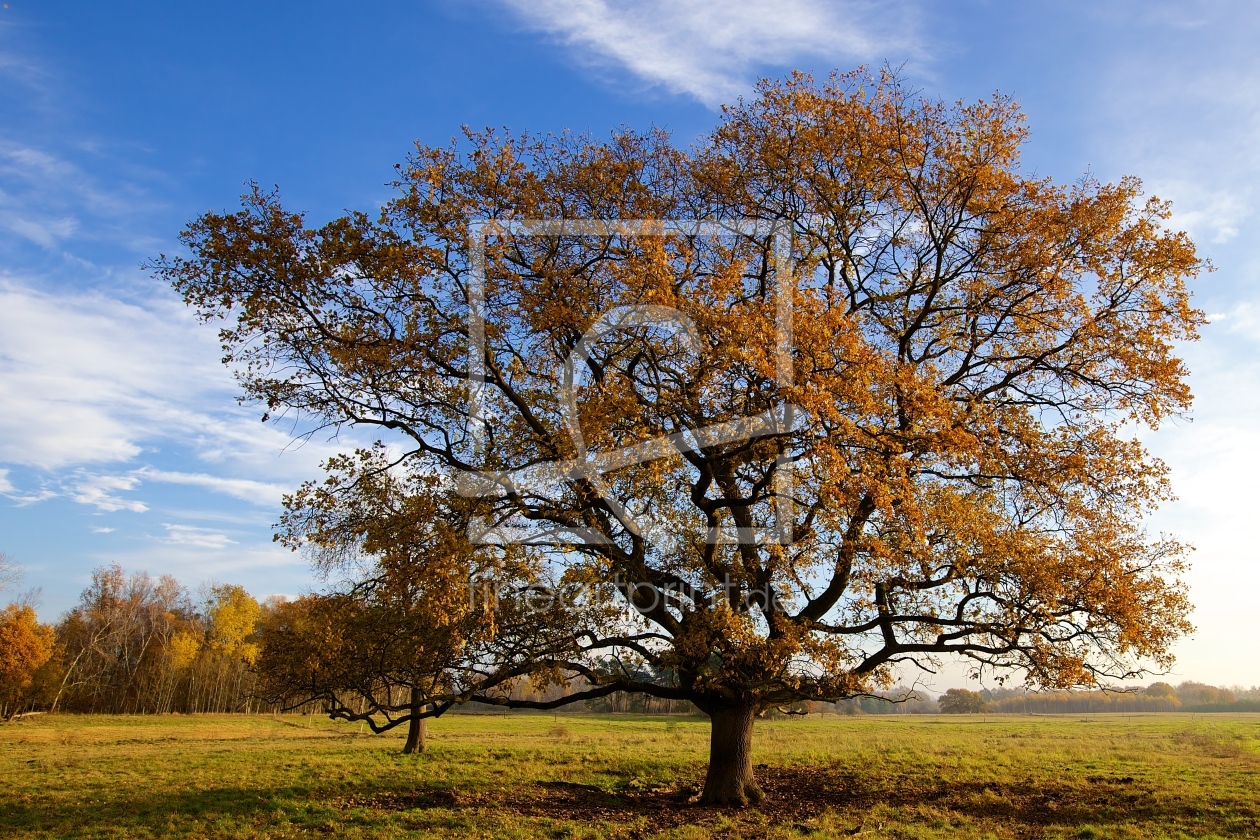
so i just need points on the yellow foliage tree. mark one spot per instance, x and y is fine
(25, 645)
(233, 622)
(183, 649)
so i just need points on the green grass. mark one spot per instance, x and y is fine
(1158, 776)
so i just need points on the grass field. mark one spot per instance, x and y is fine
(1166, 776)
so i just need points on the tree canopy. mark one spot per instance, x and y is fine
(866, 396)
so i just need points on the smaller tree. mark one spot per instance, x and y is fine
(25, 646)
(960, 701)
(363, 655)
(424, 619)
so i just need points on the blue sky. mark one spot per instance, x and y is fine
(120, 439)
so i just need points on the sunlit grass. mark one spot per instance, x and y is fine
(1158, 776)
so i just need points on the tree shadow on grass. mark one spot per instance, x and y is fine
(799, 795)
(796, 795)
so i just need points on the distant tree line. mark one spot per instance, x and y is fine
(136, 644)
(1157, 697)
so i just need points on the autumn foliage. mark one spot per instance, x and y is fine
(25, 646)
(944, 455)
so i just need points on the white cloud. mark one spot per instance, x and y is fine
(19, 70)
(1209, 214)
(85, 378)
(23, 498)
(103, 530)
(44, 232)
(10, 491)
(196, 537)
(258, 492)
(712, 49)
(90, 379)
(100, 492)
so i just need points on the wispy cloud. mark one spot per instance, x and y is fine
(22, 497)
(17, 68)
(194, 537)
(94, 386)
(207, 555)
(1242, 320)
(84, 378)
(713, 49)
(103, 530)
(257, 492)
(89, 379)
(101, 492)
(47, 199)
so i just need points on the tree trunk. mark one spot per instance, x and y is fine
(416, 728)
(730, 779)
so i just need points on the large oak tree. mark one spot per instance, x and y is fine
(942, 461)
